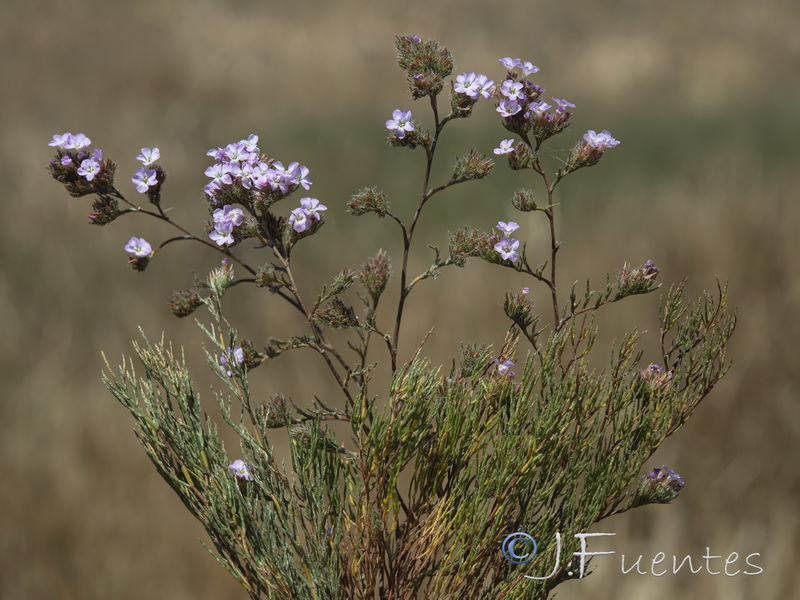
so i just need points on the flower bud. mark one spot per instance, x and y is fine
(523, 200)
(275, 412)
(426, 64)
(466, 243)
(366, 200)
(139, 263)
(375, 275)
(182, 303)
(472, 166)
(221, 278)
(521, 158)
(270, 277)
(104, 210)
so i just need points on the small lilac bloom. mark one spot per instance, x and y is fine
(508, 108)
(601, 140)
(300, 220)
(510, 63)
(236, 152)
(506, 146)
(144, 179)
(66, 160)
(251, 144)
(400, 123)
(77, 142)
(220, 173)
(89, 168)
(526, 290)
(217, 154)
(227, 217)
(540, 107)
(148, 156)
(507, 228)
(466, 84)
(512, 90)
(508, 249)
(60, 140)
(241, 469)
(416, 38)
(562, 105)
(300, 175)
(312, 207)
(485, 86)
(97, 153)
(504, 368)
(238, 356)
(222, 237)
(138, 247)
(528, 68)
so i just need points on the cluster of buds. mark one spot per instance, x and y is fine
(589, 152)
(275, 412)
(374, 275)
(426, 64)
(471, 242)
(368, 200)
(182, 303)
(638, 280)
(657, 375)
(506, 246)
(82, 172)
(660, 486)
(472, 166)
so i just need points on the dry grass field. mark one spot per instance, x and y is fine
(705, 97)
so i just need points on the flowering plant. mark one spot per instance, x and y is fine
(441, 466)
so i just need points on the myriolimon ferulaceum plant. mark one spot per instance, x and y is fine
(443, 464)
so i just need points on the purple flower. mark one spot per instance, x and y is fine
(539, 107)
(77, 142)
(222, 237)
(59, 141)
(227, 217)
(510, 63)
(507, 228)
(238, 356)
(416, 38)
(138, 247)
(97, 153)
(504, 368)
(528, 68)
(506, 146)
(144, 179)
(300, 175)
(300, 220)
(400, 123)
(508, 108)
(601, 140)
(512, 90)
(562, 105)
(508, 249)
(312, 207)
(526, 290)
(148, 156)
(220, 173)
(485, 86)
(89, 168)
(236, 152)
(667, 478)
(66, 160)
(241, 469)
(251, 144)
(466, 84)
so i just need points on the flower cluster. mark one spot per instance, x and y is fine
(474, 86)
(242, 166)
(506, 246)
(302, 218)
(588, 152)
(82, 171)
(224, 220)
(522, 110)
(657, 375)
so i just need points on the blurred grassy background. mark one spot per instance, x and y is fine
(704, 97)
